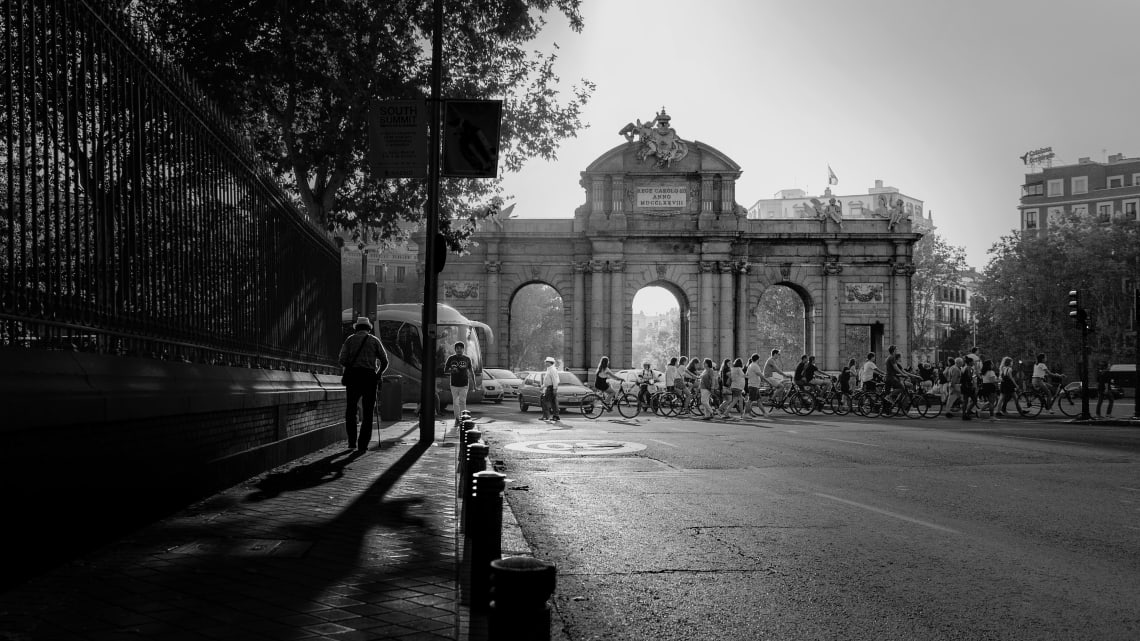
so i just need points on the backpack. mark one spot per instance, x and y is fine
(967, 379)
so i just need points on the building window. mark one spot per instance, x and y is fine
(401, 273)
(1115, 182)
(1104, 212)
(1036, 189)
(1055, 215)
(1080, 184)
(1056, 188)
(1031, 219)
(1136, 180)
(1130, 208)
(1080, 210)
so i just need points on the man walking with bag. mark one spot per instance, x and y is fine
(364, 361)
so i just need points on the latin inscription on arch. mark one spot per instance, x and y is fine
(662, 197)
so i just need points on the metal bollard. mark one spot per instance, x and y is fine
(465, 439)
(485, 531)
(476, 462)
(520, 589)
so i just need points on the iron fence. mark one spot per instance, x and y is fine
(134, 220)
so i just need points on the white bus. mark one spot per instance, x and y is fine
(399, 328)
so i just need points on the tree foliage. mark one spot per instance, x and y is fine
(780, 322)
(536, 327)
(659, 344)
(300, 75)
(1024, 291)
(937, 264)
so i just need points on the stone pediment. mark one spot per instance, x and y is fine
(701, 158)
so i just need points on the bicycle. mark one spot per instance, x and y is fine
(900, 401)
(593, 405)
(791, 399)
(1033, 401)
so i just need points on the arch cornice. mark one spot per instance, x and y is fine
(702, 158)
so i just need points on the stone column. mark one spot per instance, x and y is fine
(727, 313)
(900, 292)
(617, 315)
(707, 301)
(707, 196)
(617, 195)
(597, 313)
(495, 353)
(742, 303)
(832, 359)
(578, 324)
(598, 195)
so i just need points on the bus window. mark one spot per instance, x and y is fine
(387, 332)
(411, 344)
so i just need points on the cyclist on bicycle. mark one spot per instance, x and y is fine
(773, 371)
(645, 378)
(605, 380)
(1040, 382)
(708, 381)
(867, 373)
(896, 374)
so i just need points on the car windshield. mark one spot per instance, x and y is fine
(501, 373)
(568, 378)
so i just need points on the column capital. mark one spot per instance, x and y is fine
(581, 267)
(596, 266)
(832, 268)
(615, 266)
(493, 266)
(707, 266)
(742, 267)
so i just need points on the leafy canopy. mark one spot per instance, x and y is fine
(299, 76)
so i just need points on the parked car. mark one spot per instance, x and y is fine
(1075, 388)
(510, 381)
(493, 390)
(570, 391)
(629, 380)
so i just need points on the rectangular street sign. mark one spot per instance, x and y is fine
(471, 138)
(398, 139)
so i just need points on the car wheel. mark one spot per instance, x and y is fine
(523, 406)
(499, 401)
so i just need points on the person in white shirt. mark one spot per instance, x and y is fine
(867, 374)
(1040, 382)
(550, 391)
(550, 400)
(773, 371)
(753, 377)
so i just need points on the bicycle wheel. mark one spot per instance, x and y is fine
(913, 404)
(870, 405)
(1031, 403)
(1069, 404)
(627, 405)
(931, 405)
(592, 406)
(840, 405)
(826, 403)
(801, 403)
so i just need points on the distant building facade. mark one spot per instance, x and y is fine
(876, 203)
(1105, 191)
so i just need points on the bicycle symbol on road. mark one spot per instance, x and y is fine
(578, 448)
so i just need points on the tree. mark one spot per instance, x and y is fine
(937, 264)
(535, 327)
(1026, 286)
(780, 323)
(299, 77)
(659, 344)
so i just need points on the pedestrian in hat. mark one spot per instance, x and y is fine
(550, 390)
(364, 361)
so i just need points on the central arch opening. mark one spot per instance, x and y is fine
(660, 326)
(782, 323)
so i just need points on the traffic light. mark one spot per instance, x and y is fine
(1076, 312)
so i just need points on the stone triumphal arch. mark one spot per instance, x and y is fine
(661, 211)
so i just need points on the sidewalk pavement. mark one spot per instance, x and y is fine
(335, 545)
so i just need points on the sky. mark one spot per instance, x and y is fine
(938, 98)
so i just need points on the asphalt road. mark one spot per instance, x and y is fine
(828, 527)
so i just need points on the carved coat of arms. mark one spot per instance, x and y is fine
(656, 138)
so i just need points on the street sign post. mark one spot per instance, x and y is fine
(471, 138)
(398, 139)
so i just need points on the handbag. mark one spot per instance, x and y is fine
(344, 374)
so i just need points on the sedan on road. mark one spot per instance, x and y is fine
(510, 381)
(570, 390)
(493, 390)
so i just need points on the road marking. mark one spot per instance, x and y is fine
(839, 440)
(1050, 440)
(890, 514)
(663, 442)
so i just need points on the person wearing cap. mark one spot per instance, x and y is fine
(364, 361)
(550, 391)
